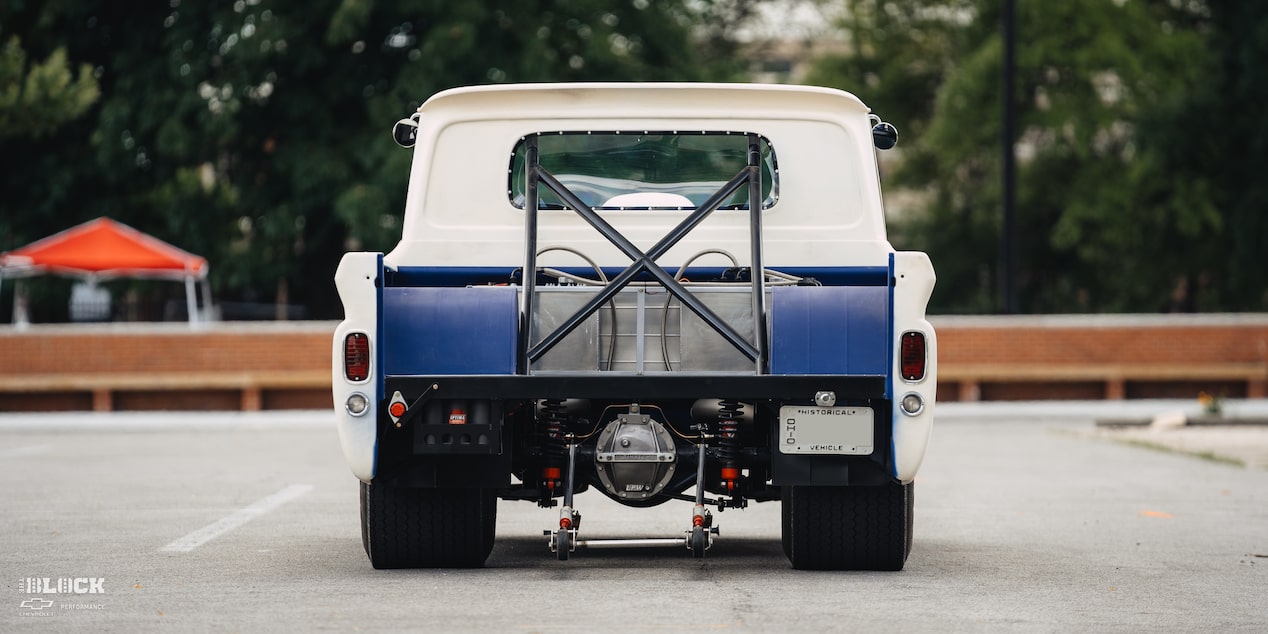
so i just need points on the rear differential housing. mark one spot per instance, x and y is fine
(635, 456)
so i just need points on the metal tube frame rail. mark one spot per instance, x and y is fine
(536, 175)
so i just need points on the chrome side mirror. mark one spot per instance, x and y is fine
(884, 136)
(405, 132)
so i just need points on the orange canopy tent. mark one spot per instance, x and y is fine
(105, 249)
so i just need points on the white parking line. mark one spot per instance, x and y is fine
(238, 518)
(30, 450)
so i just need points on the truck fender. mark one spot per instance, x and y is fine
(359, 282)
(913, 286)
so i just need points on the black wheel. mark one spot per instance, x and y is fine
(406, 527)
(785, 516)
(699, 541)
(848, 528)
(563, 544)
(911, 513)
(365, 522)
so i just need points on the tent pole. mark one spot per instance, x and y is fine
(190, 305)
(207, 314)
(21, 318)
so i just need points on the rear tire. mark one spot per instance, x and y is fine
(785, 516)
(911, 513)
(848, 528)
(365, 522)
(404, 527)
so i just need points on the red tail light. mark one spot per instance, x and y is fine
(912, 356)
(356, 357)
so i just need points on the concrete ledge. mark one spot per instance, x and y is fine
(1081, 372)
(1193, 421)
(1111, 321)
(1111, 381)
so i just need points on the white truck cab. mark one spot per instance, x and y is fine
(667, 292)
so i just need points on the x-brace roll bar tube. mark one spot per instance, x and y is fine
(646, 262)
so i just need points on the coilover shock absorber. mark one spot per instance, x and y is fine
(729, 442)
(552, 418)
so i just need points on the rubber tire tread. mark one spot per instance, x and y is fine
(365, 522)
(849, 528)
(785, 520)
(911, 514)
(427, 528)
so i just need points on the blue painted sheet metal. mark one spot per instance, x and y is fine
(829, 330)
(889, 380)
(450, 330)
(890, 352)
(480, 275)
(450, 275)
(377, 366)
(379, 383)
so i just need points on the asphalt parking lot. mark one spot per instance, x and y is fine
(1028, 517)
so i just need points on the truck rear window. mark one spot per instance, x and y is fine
(621, 170)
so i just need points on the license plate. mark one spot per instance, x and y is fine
(842, 431)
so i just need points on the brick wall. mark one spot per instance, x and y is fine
(270, 365)
(1102, 356)
(1103, 339)
(285, 365)
(271, 346)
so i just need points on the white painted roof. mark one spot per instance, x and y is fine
(458, 212)
(626, 100)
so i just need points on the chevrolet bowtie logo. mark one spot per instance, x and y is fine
(36, 603)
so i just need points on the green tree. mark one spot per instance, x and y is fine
(1124, 201)
(1212, 146)
(39, 97)
(256, 132)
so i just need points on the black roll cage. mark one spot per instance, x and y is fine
(644, 262)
